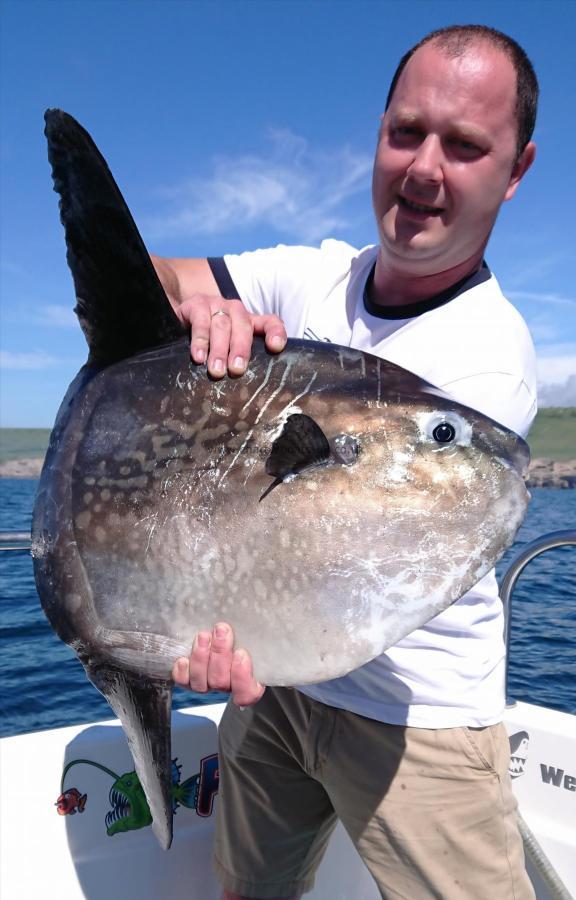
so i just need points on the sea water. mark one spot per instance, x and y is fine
(43, 685)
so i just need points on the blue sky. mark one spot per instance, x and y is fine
(231, 125)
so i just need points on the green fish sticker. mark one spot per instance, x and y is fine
(130, 810)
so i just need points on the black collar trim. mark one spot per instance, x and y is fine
(411, 310)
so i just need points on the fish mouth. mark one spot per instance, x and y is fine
(121, 808)
(518, 457)
(522, 458)
(424, 209)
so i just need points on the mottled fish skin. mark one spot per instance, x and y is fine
(155, 518)
(161, 526)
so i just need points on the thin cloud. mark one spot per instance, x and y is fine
(529, 270)
(33, 361)
(542, 297)
(59, 316)
(9, 267)
(298, 190)
(558, 349)
(544, 330)
(556, 367)
(559, 393)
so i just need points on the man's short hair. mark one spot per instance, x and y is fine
(454, 40)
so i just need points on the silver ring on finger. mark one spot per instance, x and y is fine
(220, 312)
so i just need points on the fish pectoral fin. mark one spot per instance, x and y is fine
(270, 487)
(301, 444)
(144, 706)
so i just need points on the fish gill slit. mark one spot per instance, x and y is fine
(285, 412)
(261, 387)
(249, 433)
(302, 393)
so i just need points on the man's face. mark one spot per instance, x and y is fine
(445, 159)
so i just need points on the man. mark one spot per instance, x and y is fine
(408, 751)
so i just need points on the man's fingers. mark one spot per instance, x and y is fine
(198, 662)
(240, 339)
(181, 672)
(220, 331)
(245, 689)
(220, 660)
(196, 314)
(272, 327)
(230, 341)
(213, 665)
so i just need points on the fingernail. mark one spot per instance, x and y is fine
(239, 362)
(221, 631)
(276, 342)
(182, 666)
(199, 355)
(203, 640)
(240, 656)
(217, 366)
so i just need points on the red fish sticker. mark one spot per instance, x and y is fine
(71, 802)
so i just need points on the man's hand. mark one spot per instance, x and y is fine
(213, 665)
(222, 332)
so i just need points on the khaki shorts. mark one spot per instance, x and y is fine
(431, 812)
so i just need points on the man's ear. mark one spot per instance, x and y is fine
(526, 159)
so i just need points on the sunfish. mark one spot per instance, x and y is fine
(325, 504)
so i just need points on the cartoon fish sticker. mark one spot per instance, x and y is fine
(130, 809)
(70, 802)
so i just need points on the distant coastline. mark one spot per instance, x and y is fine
(543, 472)
(27, 467)
(552, 442)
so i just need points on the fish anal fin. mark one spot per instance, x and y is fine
(143, 706)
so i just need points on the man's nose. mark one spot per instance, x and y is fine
(427, 162)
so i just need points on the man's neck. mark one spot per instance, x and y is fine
(393, 288)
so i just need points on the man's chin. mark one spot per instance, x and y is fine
(417, 257)
(414, 244)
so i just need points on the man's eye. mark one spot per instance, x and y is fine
(405, 133)
(466, 148)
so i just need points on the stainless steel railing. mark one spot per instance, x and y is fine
(525, 555)
(15, 540)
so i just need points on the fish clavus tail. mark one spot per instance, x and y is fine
(143, 705)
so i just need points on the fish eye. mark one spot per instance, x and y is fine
(444, 433)
(444, 429)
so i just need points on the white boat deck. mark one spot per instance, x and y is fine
(73, 857)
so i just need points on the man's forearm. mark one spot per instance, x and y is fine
(184, 278)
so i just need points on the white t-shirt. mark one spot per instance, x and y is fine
(475, 346)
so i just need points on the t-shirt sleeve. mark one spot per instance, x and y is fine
(278, 280)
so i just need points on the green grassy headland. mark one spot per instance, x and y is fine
(553, 435)
(23, 443)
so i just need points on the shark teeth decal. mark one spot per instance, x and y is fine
(519, 743)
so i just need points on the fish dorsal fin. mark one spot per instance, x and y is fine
(301, 444)
(121, 304)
